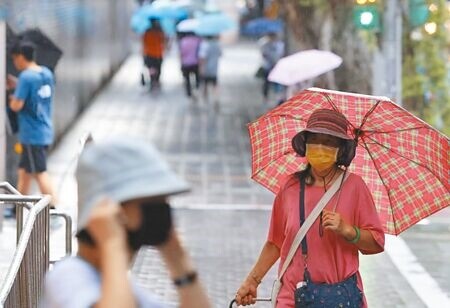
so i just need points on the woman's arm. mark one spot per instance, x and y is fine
(116, 289)
(333, 221)
(108, 233)
(246, 294)
(180, 266)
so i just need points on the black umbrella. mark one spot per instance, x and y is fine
(47, 53)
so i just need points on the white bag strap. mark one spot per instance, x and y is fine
(310, 220)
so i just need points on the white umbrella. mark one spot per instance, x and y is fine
(188, 25)
(303, 65)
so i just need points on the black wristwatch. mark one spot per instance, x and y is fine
(185, 280)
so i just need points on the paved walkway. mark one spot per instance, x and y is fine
(224, 221)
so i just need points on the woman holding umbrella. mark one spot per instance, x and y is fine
(324, 271)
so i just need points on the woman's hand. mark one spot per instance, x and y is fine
(334, 222)
(246, 295)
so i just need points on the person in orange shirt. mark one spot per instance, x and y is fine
(153, 49)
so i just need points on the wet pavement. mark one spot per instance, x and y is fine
(224, 220)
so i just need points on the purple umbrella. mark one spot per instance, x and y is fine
(303, 65)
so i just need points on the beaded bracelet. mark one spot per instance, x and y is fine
(357, 237)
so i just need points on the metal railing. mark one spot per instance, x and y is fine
(24, 280)
(68, 225)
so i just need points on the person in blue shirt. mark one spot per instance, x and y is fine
(32, 100)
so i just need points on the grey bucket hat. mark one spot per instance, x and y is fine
(122, 170)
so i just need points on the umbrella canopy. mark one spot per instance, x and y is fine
(185, 4)
(262, 26)
(47, 53)
(162, 11)
(188, 25)
(303, 65)
(167, 14)
(403, 160)
(214, 24)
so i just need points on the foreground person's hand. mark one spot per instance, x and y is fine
(105, 224)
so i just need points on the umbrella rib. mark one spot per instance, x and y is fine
(396, 131)
(334, 107)
(408, 159)
(384, 184)
(390, 201)
(366, 116)
(274, 116)
(271, 162)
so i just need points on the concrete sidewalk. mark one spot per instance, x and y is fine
(224, 220)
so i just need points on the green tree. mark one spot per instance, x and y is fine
(426, 88)
(328, 25)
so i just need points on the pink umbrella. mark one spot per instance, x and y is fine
(303, 65)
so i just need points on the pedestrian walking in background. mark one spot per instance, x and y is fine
(323, 269)
(291, 90)
(153, 43)
(272, 50)
(209, 55)
(122, 206)
(189, 53)
(32, 101)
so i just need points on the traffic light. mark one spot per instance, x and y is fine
(418, 12)
(366, 15)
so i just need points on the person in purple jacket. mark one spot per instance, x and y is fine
(189, 47)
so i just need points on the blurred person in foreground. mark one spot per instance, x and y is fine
(122, 190)
(324, 271)
(153, 44)
(33, 102)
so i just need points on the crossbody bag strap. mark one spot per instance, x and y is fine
(310, 220)
(302, 213)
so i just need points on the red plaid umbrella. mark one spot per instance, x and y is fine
(403, 160)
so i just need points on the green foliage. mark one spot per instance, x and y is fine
(426, 88)
(316, 3)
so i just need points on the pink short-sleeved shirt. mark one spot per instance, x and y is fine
(331, 258)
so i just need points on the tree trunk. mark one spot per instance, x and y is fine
(327, 25)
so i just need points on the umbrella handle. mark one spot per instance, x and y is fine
(258, 300)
